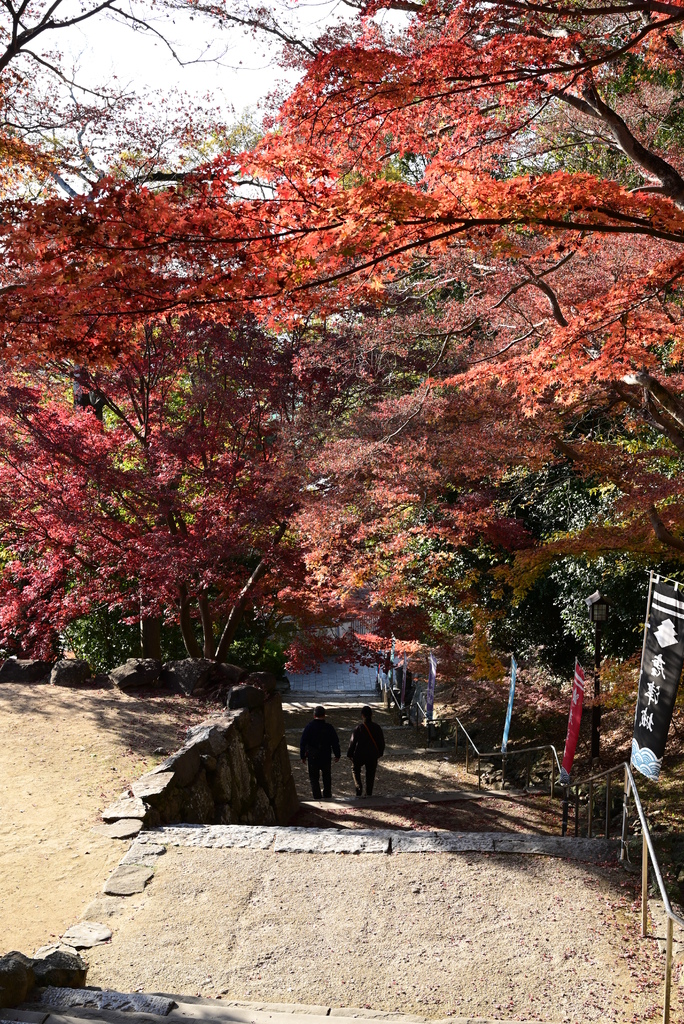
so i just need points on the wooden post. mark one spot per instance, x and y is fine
(467, 757)
(668, 972)
(576, 811)
(590, 811)
(623, 834)
(553, 775)
(503, 772)
(478, 774)
(608, 807)
(644, 886)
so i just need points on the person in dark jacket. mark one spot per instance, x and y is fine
(319, 742)
(367, 745)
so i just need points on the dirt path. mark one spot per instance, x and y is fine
(495, 936)
(65, 754)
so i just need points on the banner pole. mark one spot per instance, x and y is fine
(648, 613)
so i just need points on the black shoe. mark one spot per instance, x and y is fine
(359, 792)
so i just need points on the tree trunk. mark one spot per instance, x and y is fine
(189, 639)
(207, 625)
(150, 637)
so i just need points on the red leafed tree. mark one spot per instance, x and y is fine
(177, 502)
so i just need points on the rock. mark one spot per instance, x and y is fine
(128, 879)
(103, 906)
(144, 853)
(64, 970)
(283, 685)
(262, 762)
(222, 782)
(24, 670)
(185, 764)
(210, 738)
(186, 675)
(125, 807)
(261, 812)
(125, 828)
(274, 721)
(86, 934)
(266, 681)
(285, 801)
(231, 674)
(243, 696)
(16, 978)
(242, 774)
(136, 672)
(197, 807)
(252, 728)
(70, 672)
(153, 787)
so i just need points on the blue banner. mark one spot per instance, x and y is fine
(509, 709)
(430, 696)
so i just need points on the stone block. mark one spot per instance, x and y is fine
(209, 737)
(125, 828)
(252, 728)
(125, 807)
(136, 672)
(126, 880)
(153, 787)
(262, 761)
(86, 934)
(266, 681)
(70, 672)
(230, 674)
(243, 696)
(222, 782)
(64, 970)
(225, 815)
(16, 978)
(274, 721)
(286, 802)
(261, 812)
(186, 675)
(197, 802)
(25, 670)
(184, 763)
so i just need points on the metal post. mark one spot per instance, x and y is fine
(527, 773)
(553, 776)
(596, 706)
(576, 811)
(503, 772)
(668, 971)
(590, 809)
(608, 807)
(564, 828)
(644, 886)
(467, 757)
(623, 834)
(478, 773)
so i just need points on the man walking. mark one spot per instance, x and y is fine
(367, 745)
(319, 742)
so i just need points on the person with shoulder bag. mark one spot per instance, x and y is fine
(366, 747)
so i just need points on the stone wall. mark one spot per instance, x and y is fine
(232, 770)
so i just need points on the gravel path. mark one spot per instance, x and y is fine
(437, 934)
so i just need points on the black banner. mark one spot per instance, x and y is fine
(661, 668)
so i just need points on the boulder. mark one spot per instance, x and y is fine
(243, 696)
(212, 737)
(222, 782)
(136, 672)
(252, 728)
(197, 805)
(16, 978)
(266, 681)
(185, 764)
(70, 672)
(231, 674)
(64, 970)
(283, 685)
(274, 721)
(285, 801)
(186, 675)
(24, 670)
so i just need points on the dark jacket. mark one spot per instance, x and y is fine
(319, 741)
(367, 743)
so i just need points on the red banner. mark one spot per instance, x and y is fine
(574, 719)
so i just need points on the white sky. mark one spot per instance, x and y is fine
(242, 74)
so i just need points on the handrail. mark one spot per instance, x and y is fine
(480, 754)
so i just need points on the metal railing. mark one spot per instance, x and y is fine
(647, 851)
(488, 754)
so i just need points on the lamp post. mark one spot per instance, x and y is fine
(598, 606)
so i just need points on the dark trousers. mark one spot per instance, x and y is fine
(370, 775)
(317, 768)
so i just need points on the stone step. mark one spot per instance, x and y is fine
(293, 839)
(188, 1009)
